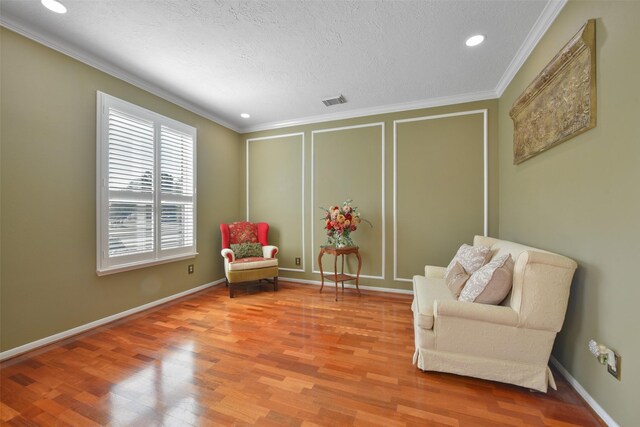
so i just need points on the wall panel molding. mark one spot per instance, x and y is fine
(302, 207)
(382, 193)
(484, 113)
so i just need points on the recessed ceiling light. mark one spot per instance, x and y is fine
(54, 6)
(245, 115)
(475, 40)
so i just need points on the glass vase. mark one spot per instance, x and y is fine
(341, 240)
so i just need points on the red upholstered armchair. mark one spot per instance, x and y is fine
(252, 268)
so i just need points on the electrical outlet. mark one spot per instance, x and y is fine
(613, 367)
(297, 261)
(606, 356)
(190, 269)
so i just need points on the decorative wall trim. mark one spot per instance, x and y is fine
(384, 109)
(561, 102)
(112, 70)
(82, 328)
(346, 285)
(382, 193)
(583, 393)
(546, 18)
(484, 112)
(302, 210)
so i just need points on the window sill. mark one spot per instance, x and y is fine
(143, 264)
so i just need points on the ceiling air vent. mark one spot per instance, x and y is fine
(334, 101)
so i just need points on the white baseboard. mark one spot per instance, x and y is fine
(583, 393)
(79, 329)
(347, 285)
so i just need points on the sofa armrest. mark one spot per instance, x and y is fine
(269, 251)
(228, 254)
(497, 314)
(537, 257)
(433, 271)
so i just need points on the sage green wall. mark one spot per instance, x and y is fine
(439, 160)
(581, 199)
(347, 164)
(275, 179)
(48, 187)
(346, 159)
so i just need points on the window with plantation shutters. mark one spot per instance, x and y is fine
(146, 187)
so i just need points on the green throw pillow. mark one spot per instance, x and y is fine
(246, 250)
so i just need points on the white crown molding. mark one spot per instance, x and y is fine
(384, 109)
(110, 69)
(583, 393)
(544, 21)
(546, 18)
(16, 351)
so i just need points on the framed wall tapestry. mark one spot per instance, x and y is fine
(561, 102)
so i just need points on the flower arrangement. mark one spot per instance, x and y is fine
(340, 222)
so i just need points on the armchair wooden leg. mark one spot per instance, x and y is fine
(230, 291)
(275, 283)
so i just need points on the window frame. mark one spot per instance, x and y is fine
(106, 264)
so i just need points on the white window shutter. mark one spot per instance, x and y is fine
(146, 191)
(176, 189)
(131, 174)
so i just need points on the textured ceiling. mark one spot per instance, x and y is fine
(277, 59)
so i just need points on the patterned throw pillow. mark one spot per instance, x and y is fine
(491, 283)
(246, 250)
(243, 232)
(456, 279)
(470, 257)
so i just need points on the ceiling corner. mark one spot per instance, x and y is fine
(548, 15)
(112, 70)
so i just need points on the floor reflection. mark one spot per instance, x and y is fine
(162, 393)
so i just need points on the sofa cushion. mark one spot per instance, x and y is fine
(246, 250)
(252, 263)
(456, 279)
(426, 290)
(491, 283)
(470, 257)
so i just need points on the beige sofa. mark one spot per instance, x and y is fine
(510, 343)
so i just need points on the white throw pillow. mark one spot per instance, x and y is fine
(470, 257)
(491, 283)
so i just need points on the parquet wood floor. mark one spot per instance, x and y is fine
(289, 358)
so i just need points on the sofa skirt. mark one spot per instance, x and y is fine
(504, 371)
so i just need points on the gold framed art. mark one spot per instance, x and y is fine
(561, 102)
